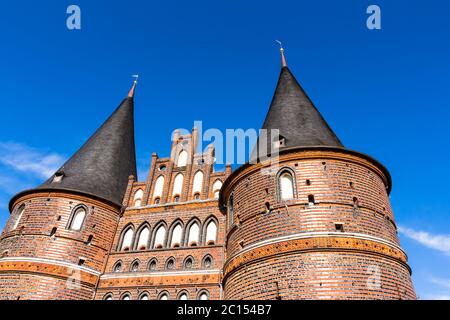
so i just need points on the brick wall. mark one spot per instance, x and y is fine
(43, 245)
(348, 190)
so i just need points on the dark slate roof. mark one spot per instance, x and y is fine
(296, 117)
(101, 167)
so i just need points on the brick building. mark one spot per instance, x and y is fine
(319, 226)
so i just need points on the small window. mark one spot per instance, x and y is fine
(170, 264)
(177, 233)
(176, 199)
(211, 233)
(157, 200)
(164, 296)
(183, 296)
(19, 214)
(135, 266)
(81, 261)
(216, 188)
(59, 175)
(138, 198)
(159, 187)
(53, 232)
(117, 267)
(188, 263)
(144, 296)
(339, 227)
(231, 210)
(277, 144)
(78, 219)
(144, 236)
(108, 297)
(126, 297)
(311, 200)
(152, 265)
(286, 186)
(89, 240)
(197, 196)
(194, 234)
(198, 183)
(207, 262)
(203, 295)
(182, 158)
(160, 237)
(162, 168)
(127, 240)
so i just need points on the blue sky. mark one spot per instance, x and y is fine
(384, 92)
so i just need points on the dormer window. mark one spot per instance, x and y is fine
(59, 175)
(279, 143)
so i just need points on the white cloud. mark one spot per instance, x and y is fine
(23, 158)
(440, 281)
(437, 242)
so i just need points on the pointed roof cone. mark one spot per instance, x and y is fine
(101, 167)
(299, 123)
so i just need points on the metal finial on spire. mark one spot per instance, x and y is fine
(283, 59)
(131, 93)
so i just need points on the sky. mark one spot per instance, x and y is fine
(384, 92)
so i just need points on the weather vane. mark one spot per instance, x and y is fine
(279, 42)
(135, 76)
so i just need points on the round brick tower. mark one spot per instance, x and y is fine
(57, 239)
(317, 222)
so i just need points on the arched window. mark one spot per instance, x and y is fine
(144, 296)
(108, 296)
(182, 158)
(127, 240)
(138, 197)
(144, 236)
(157, 200)
(78, 219)
(160, 237)
(286, 185)
(126, 296)
(188, 263)
(164, 296)
(178, 184)
(183, 296)
(135, 266)
(194, 234)
(203, 295)
(170, 264)
(159, 187)
(231, 210)
(117, 267)
(211, 233)
(216, 188)
(19, 214)
(177, 233)
(207, 262)
(152, 265)
(198, 183)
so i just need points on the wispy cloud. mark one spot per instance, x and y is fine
(437, 242)
(23, 158)
(440, 281)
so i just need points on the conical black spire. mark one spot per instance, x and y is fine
(299, 122)
(101, 167)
